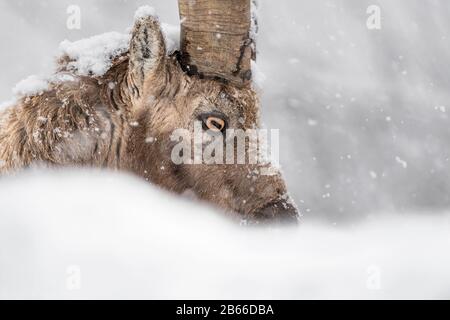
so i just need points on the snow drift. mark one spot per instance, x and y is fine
(127, 239)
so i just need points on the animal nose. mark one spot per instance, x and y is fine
(278, 212)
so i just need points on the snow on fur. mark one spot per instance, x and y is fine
(144, 11)
(94, 56)
(32, 85)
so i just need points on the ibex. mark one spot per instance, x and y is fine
(123, 119)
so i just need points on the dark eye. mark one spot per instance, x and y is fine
(214, 122)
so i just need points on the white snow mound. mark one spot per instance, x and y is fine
(88, 234)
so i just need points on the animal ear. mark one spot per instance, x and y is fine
(147, 52)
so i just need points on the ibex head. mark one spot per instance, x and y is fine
(207, 84)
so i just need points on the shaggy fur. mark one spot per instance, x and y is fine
(124, 119)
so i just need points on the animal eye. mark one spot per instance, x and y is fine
(215, 124)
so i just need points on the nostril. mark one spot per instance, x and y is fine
(280, 211)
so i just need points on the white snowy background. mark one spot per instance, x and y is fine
(363, 119)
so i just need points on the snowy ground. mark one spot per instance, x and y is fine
(364, 145)
(100, 235)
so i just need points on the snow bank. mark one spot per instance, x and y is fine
(89, 234)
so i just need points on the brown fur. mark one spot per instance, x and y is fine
(127, 125)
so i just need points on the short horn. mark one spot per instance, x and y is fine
(216, 39)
